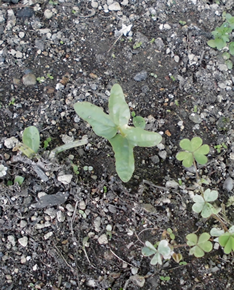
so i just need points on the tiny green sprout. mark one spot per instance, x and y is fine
(113, 55)
(193, 150)
(137, 45)
(46, 142)
(12, 102)
(104, 189)
(75, 168)
(153, 75)
(130, 39)
(180, 181)
(50, 76)
(133, 114)
(177, 103)
(88, 168)
(9, 182)
(40, 79)
(152, 40)
(74, 11)
(199, 245)
(164, 278)
(61, 42)
(182, 23)
(19, 179)
(202, 203)
(170, 232)
(172, 77)
(183, 263)
(82, 213)
(163, 251)
(109, 231)
(195, 109)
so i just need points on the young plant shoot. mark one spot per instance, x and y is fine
(114, 127)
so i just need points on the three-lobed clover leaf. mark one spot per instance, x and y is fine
(202, 204)
(114, 127)
(225, 239)
(199, 245)
(163, 251)
(193, 150)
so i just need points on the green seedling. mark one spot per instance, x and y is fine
(61, 42)
(163, 251)
(172, 78)
(114, 127)
(50, 76)
(133, 114)
(182, 23)
(199, 245)
(88, 168)
(46, 142)
(113, 55)
(82, 213)
(195, 109)
(137, 45)
(170, 233)
(220, 147)
(193, 150)
(75, 168)
(31, 143)
(202, 203)
(164, 278)
(152, 40)
(153, 75)
(19, 179)
(177, 103)
(109, 231)
(12, 102)
(104, 189)
(183, 263)
(41, 79)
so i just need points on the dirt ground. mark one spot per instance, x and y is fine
(88, 233)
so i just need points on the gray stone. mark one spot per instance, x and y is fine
(23, 241)
(29, 79)
(114, 6)
(141, 76)
(228, 184)
(195, 118)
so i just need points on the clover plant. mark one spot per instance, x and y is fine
(114, 127)
(222, 36)
(193, 150)
(199, 245)
(202, 204)
(162, 251)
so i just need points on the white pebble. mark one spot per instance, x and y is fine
(23, 241)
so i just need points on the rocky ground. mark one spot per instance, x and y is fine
(62, 229)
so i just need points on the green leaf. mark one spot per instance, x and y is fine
(140, 137)
(211, 195)
(196, 142)
(19, 179)
(192, 239)
(215, 232)
(199, 203)
(147, 251)
(124, 159)
(231, 48)
(31, 138)
(101, 122)
(150, 246)
(139, 122)
(118, 108)
(230, 21)
(187, 158)
(229, 64)
(227, 241)
(212, 43)
(157, 259)
(226, 55)
(26, 150)
(186, 144)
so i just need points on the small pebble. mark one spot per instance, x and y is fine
(114, 6)
(48, 14)
(141, 76)
(228, 184)
(103, 239)
(60, 216)
(23, 241)
(29, 79)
